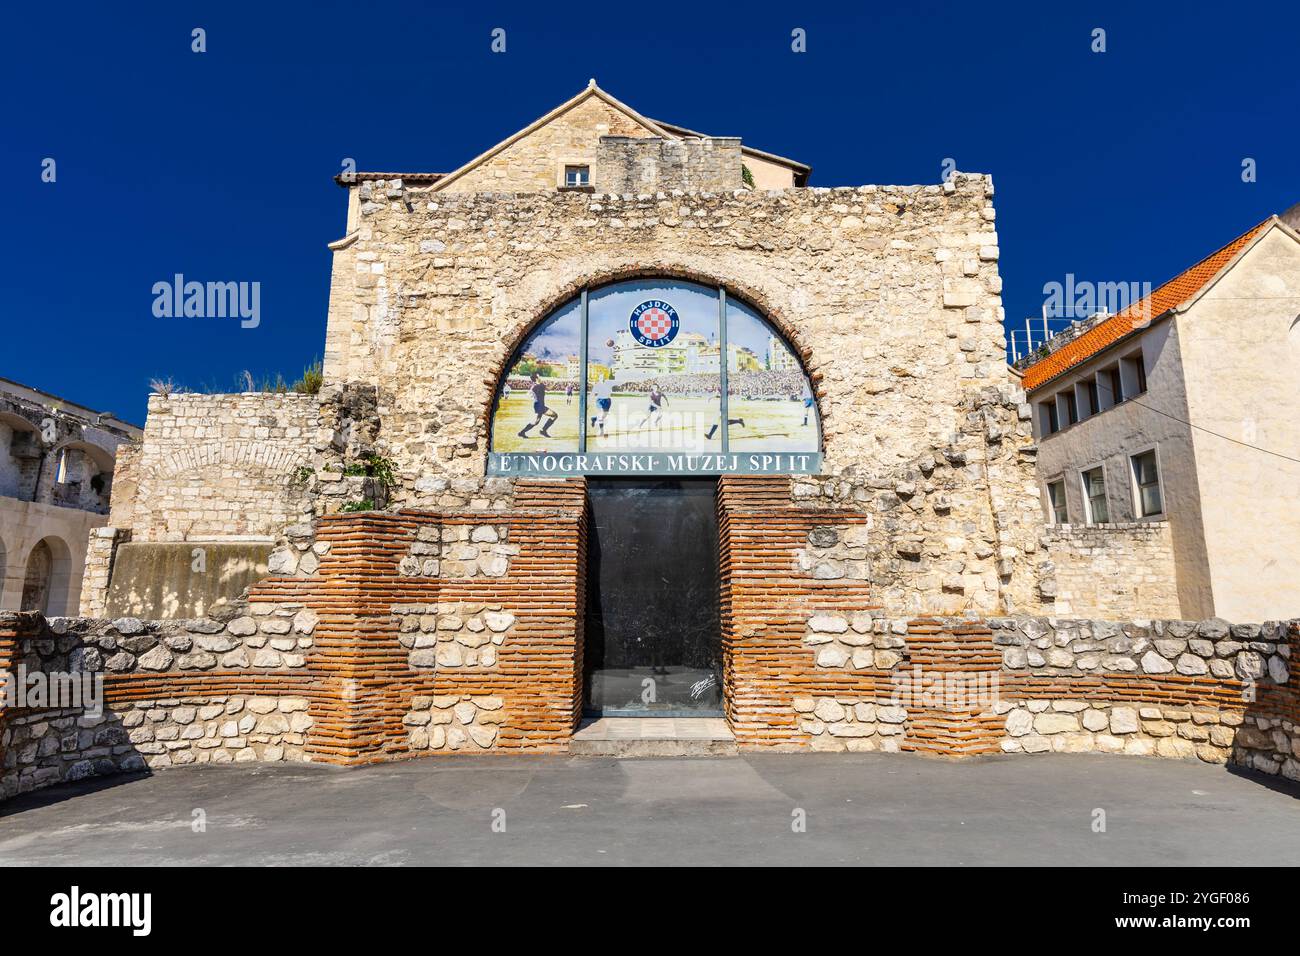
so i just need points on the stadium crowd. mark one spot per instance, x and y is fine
(755, 385)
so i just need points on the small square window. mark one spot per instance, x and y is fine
(1056, 498)
(577, 175)
(1146, 477)
(1094, 493)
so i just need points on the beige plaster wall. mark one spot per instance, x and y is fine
(1241, 348)
(1109, 438)
(23, 524)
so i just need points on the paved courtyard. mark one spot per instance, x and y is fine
(862, 809)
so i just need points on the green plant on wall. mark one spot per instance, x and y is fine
(310, 381)
(373, 466)
(746, 176)
(364, 504)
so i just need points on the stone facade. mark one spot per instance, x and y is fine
(430, 293)
(453, 635)
(454, 723)
(1113, 570)
(45, 748)
(219, 466)
(650, 164)
(459, 551)
(362, 671)
(57, 474)
(418, 605)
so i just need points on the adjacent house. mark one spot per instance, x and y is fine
(1169, 434)
(56, 476)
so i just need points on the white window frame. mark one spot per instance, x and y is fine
(562, 175)
(1128, 374)
(1058, 479)
(1137, 491)
(1087, 498)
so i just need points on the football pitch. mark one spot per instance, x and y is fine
(682, 425)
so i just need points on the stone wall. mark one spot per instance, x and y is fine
(219, 466)
(1240, 652)
(359, 661)
(46, 748)
(434, 290)
(537, 161)
(650, 164)
(1113, 570)
(170, 694)
(1269, 744)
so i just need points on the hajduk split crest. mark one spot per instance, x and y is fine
(654, 323)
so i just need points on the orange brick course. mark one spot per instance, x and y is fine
(360, 685)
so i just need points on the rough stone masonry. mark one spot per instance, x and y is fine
(417, 605)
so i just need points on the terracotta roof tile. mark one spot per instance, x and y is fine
(343, 179)
(1137, 316)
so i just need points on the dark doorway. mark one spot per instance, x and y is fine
(653, 636)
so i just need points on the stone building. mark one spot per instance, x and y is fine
(1169, 439)
(492, 526)
(56, 479)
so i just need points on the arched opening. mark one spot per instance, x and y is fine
(652, 387)
(682, 375)
(82, 477)
(47, 577)
(20, 455)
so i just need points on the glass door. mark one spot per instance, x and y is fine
(653, 634)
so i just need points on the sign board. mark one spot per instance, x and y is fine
(653, 463)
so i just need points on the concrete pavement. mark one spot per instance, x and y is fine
(870, 809)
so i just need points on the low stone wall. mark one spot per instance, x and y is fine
(1184, 689)
(42, 749)
(360, 660)
(1242, 652)
(260, 635)
(1113, 570)
(143, 695)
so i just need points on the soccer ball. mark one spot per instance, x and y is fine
(609, 343)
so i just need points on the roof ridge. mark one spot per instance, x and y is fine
(1245, 236)
(1169, 295)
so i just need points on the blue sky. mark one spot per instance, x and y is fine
(1116, 166)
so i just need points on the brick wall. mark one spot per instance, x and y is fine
(460, 631)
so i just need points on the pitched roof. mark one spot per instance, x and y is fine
(347, 179)
(1172, 294)
(666, 130)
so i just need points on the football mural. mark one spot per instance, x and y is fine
(652, 378)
